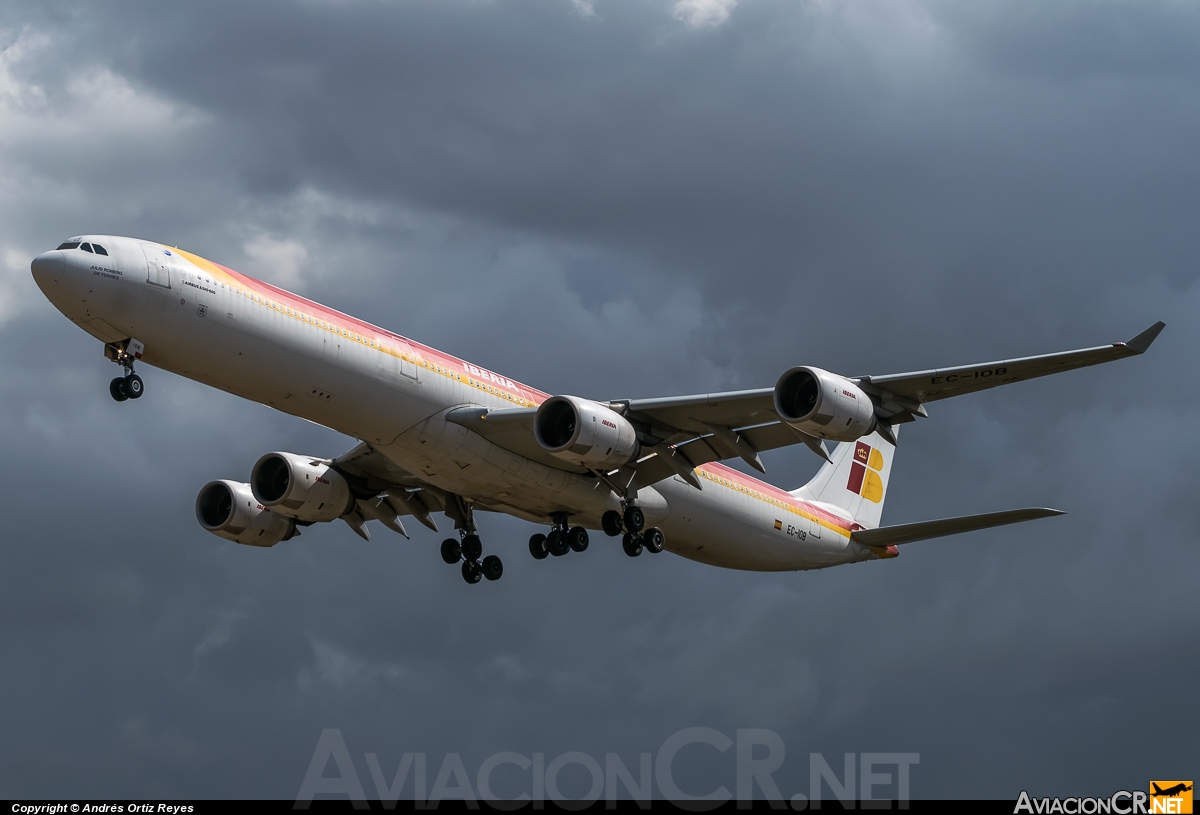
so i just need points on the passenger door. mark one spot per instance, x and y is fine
(158, 271)
(407, 360)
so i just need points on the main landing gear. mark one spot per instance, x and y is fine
(129, 386)
(468, 550)
(630, 526)
(562, 539)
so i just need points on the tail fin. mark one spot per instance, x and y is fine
(855, 479)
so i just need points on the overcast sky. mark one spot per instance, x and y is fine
(614, 199)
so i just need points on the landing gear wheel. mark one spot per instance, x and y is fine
(471, 571)
(134, 387)
(492, 567)
(451, 551)
(116, 389)
(654, 540)
(610, 522)
(537, 546)
(556, 542)
(577, 538)
(472, 547)
(631, 545)
(634, 519)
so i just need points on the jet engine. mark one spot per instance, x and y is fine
(824, 405)
(585, 433)
(229, 510)
(299, 487)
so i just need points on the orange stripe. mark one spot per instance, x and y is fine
(823, 517)
(291, 300)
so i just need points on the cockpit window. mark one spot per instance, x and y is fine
(69, 245)
(99, 250)
(87, 247)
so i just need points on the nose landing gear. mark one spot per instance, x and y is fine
(124, 353)
(126, 387)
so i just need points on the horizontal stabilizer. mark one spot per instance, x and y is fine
(924, 530)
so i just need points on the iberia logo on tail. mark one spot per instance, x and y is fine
(864, 473)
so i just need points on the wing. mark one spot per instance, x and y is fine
(385, 490)
(692, 415)
(926, 386)
(673, 450)
(924, 530)
(511, 429)
(680, 433)
(898, 398)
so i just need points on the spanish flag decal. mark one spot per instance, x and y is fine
(865, 480)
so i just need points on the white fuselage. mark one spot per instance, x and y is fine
(230, 331)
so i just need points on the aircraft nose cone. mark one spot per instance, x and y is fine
(47, 268)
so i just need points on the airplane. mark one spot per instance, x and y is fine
(439, 435)
(1170, 792)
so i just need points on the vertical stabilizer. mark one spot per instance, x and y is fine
(855, 479)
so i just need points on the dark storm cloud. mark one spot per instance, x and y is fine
(613, 204)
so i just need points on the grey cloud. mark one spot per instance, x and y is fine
(612, 206)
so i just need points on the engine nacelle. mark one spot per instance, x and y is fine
(585, 433)
(229, 510)
(300, 487)
(824, 405)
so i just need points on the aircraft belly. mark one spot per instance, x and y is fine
(458, 460)
(727, 529)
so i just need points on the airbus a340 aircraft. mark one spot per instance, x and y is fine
(440, 435)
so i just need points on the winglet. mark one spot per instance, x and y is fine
(1142, 341)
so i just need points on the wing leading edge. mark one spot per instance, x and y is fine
(940, 383)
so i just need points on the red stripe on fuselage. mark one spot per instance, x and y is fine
(753, 483)
(291, 300)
